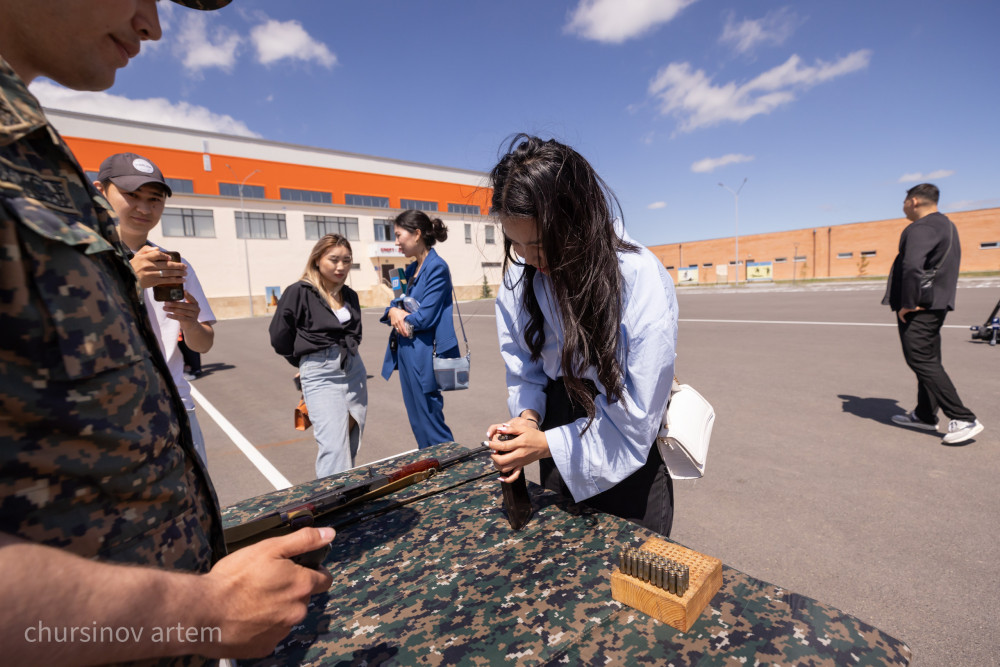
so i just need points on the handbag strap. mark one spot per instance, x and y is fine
(460, 322)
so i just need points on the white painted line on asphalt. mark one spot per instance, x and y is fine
(277, 480)
(831, 324)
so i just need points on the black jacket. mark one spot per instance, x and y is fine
(922, 245)
(304, 323)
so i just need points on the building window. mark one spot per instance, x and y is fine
(468, 233)
(188, 222)
(780, 260)
(383, 230)
(318, 226)
(845, 255)
(491, 265)
(182, 185)
(989, 244)
(669, 268)
(464, 209)
(800, 258)
(249, 191)
(490, 235)
(367, 201)
(707, 264)
(312, 196)
(867, 253)
(260, 225)
(418, 204)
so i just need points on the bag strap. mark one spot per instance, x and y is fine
(460, 322)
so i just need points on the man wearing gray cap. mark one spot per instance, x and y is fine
(137, 192)
(111, 543)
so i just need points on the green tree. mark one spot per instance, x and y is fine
(487, 292)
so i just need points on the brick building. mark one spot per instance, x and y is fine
(861, 249)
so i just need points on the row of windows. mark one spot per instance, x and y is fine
(186, 186)
(490, 234)
(798, 258)
(750, 260)
(319, 197)
(201, 223)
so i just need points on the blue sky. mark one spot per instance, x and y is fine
(830, 110)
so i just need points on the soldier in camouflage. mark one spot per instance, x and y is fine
(98, 472)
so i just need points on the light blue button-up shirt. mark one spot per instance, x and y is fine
(619, 440)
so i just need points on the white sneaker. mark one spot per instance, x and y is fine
(910, 419)
(960, 431)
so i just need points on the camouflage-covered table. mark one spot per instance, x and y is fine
(443, 580)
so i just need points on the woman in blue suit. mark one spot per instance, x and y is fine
(416, 335)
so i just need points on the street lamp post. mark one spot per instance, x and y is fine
(736, 198)
(243, 216)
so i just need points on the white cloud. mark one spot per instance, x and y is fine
(973, 204)
(614, 21)
(710, 164)
(657, 204)
(197, 50)
(918, 177)
(692, 97)
(774, 28)
(153, 110)
(277, 40)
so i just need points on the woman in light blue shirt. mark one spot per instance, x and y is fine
(587, 321)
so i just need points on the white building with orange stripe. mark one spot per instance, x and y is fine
(244, 247)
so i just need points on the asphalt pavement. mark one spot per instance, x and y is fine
(808, 485)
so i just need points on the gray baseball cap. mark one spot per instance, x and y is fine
(129, 172)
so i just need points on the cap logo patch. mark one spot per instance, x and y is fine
(142, 165)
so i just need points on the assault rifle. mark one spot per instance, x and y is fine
(290, 518)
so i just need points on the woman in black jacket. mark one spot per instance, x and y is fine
(317, 327)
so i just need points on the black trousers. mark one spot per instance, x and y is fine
(191, 358)
(646, 497)
(920, 336)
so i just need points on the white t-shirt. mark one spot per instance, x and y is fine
(168, 330)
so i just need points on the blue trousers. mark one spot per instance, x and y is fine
(425, 411)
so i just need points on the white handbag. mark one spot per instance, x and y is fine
(686, 431)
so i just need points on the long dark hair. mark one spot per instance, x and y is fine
(575, 211)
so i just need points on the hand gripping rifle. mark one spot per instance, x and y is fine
(290, 518)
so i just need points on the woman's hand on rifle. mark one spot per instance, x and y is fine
(527, 445)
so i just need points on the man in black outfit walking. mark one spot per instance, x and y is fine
(928, 245)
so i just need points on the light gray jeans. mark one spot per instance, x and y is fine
(333, 396)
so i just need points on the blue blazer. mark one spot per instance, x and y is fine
(432, 323)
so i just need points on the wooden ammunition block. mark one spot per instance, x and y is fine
(676, 611)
